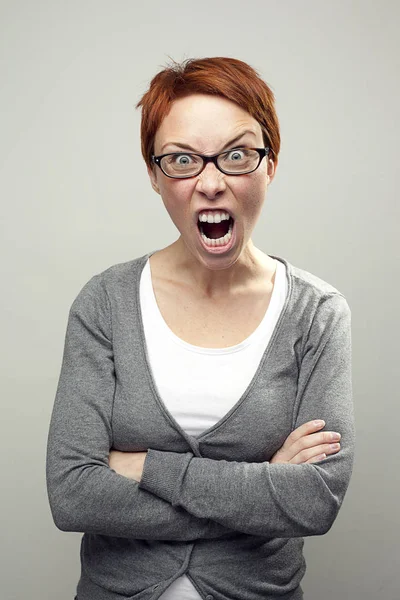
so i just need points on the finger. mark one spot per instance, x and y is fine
(313, 440)
(305, 455)
(316, 458)
(303, 430)
(302, 437)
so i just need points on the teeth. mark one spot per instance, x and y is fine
(222, 241)
(213, 217)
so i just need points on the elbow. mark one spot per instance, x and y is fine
(70, 509)
(74, 501)
(63, 517)
(62, 524)
(321, 528)
(63, 507)
(324, 500)
(65, 521)
(323, 517)
(308, 499)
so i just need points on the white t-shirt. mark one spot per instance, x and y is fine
(200, 385)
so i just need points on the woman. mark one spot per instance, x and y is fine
(184, 440)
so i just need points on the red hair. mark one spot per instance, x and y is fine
(227, 77)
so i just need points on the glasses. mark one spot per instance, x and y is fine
(238, 161)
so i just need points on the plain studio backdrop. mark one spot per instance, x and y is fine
(75, 199)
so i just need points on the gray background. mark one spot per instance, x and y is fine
(75, 199)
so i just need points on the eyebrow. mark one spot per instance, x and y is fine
(188, 147)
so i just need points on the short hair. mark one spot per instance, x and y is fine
(226, 77)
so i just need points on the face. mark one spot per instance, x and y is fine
(208, 125)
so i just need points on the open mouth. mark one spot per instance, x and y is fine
(215, 228)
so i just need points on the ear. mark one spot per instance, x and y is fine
(271, 170)
(153, 178)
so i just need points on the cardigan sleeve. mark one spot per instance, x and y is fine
(277, 500)
(85, 494)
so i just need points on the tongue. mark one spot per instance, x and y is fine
(215, 230)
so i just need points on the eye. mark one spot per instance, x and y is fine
(181, 160)
(235, 155)
(184, 160)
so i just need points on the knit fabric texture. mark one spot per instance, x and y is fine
(211, 506)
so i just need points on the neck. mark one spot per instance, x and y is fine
(251, 266)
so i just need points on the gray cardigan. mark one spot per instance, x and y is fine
(210, 506)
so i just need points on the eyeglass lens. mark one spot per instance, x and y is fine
(238, 161)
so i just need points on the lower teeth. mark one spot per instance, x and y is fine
(222, 241)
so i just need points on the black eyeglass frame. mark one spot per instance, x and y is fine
(206, 159)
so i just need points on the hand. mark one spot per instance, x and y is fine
(305, 446)
(128, 464)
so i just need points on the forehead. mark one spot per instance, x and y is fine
(205, 122)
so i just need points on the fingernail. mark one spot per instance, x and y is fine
(319, 422)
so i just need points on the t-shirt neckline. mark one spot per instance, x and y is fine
(253, 337)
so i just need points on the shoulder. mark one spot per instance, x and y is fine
(312, 296)
(308, 281)
(102, 287)
(314, 283)
(317, 311)
(122, 271)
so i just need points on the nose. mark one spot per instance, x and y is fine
(211, 182)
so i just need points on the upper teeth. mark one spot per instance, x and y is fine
(213, 217)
